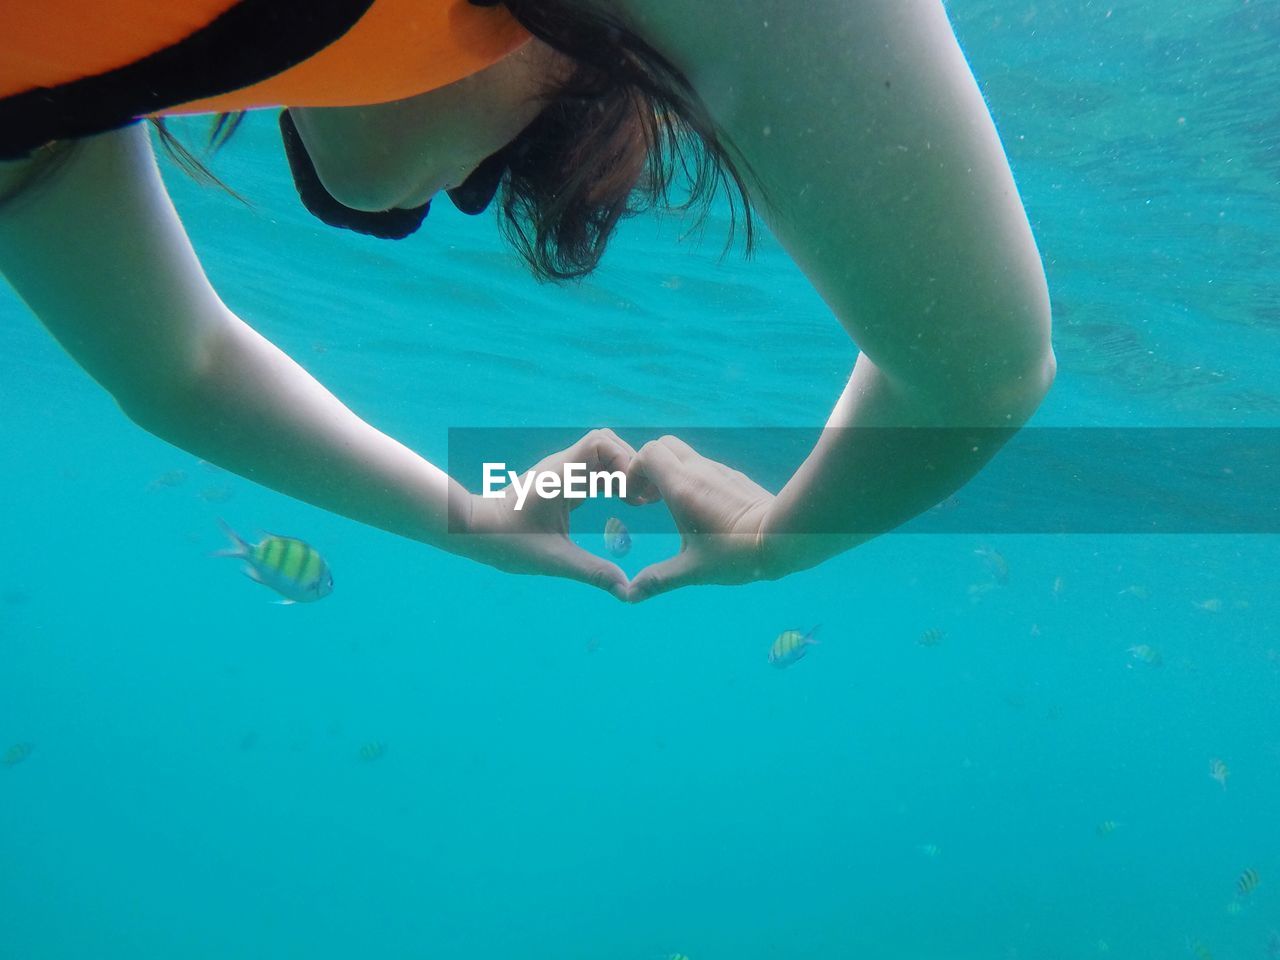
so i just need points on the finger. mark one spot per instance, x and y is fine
(611, 452)
(640, 489)
(571, 561)
(663, 577)
(595, 449)
(603, 448)
(628, 448)
(682, 450)
(656, 464)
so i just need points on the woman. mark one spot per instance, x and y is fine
(855, 128)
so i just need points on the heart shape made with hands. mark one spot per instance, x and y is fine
(719, 512)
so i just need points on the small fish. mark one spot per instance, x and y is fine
(616, 538)
(1035, 630)
(1107, 827)
(1135, 590)
(1145, 653)
(216, 494)
(291, 568)
(593, 644)
(1103, 946)
(1273, 945)
(1234, 908)
(17, 753)
(1219, 771)
(171, 478)
(930, 850)
(996, 565)
(791, 646)
(1198, 949)
(1059, 588)
(373, 750)
(931, 637)
(1247, 882)
(1212, 605)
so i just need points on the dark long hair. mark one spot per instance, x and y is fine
(615, 139)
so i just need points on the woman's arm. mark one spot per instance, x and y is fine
(876, 163)
(98, 253)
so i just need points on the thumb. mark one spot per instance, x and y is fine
(664, 576)
(571, 561)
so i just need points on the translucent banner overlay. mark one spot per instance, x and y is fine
(1046, 480)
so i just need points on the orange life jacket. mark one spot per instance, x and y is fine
(71, 68)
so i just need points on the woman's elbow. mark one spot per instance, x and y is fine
(176, 384)
(159, 406)
(1001, 376)
(1026, 386)
(165, 399)
(1031, 364)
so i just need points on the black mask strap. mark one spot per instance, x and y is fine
(474, 194)
(384, 224)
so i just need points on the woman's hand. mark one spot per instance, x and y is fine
(719, 512)
(535, 539)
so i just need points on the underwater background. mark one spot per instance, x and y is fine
(443, 761)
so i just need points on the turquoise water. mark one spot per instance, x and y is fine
(566, 778)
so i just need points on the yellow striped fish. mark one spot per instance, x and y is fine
(373, 750)
(791, 646)
(1198, 949)
(291, 568)
(1247, 883)
(1107, 827)
(17, 753)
